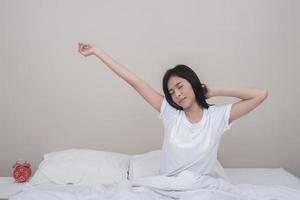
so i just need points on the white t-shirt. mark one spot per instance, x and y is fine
(189, 146)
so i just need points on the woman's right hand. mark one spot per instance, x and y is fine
(86, 49)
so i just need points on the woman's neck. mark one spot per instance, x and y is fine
(194, 113)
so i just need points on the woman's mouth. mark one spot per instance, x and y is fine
(182, 100)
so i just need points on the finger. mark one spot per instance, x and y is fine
(82, 47)
(86, 46)
(82, 51)
(82, 44)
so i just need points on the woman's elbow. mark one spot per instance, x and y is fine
(263, 94)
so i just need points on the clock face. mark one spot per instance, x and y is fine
(21, 173)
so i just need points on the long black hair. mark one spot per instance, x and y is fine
(188, 74)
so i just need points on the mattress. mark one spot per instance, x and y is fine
(263, 176)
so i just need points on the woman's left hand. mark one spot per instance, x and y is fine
(206, 91)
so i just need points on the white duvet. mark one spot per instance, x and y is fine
(183, 186)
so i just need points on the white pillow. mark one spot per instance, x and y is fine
(148, 164)
(82, 167)
(143, 165)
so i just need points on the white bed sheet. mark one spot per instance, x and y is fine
(263, 176)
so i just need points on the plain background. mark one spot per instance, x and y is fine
(52, 98)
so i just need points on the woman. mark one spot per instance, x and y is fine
(186, 115)
(192, 128)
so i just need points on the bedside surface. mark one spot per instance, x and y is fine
(263, 176)
(8, 187)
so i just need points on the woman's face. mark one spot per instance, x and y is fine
(181, 92)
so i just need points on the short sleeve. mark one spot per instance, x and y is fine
(162, 108)
(227, 116)
(167, 112)
(220, 116)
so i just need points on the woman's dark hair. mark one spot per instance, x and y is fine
(188, 74)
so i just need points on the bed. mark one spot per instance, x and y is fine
(263, 176)
(139, 173)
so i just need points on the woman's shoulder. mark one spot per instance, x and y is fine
(167, 110)
(218, 109)
(211, 108)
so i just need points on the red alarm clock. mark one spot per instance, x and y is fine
(21, 171)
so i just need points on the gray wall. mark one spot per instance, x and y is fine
(52, 98)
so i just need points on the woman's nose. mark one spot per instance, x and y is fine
(177, 93)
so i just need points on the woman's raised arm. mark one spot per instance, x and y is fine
(250, 99)
(146, 91)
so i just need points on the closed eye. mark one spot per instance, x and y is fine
(171, 91)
